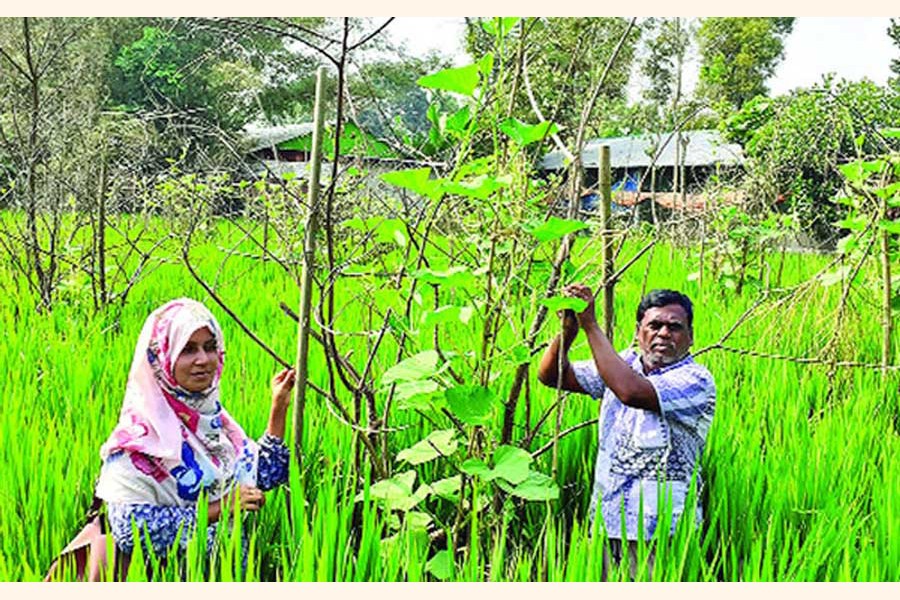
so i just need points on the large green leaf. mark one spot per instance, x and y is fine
(555, 228)
(447, 488)
(445, 314)
(416, 520)
(476, 468)
(396, 493)
(505, 24)
(486, 64)
(416, 367)
(461, 80)
(438, 443)
(396, 488)
(418, 181)
(479, 187)
(440, 565)
(536, 487)
(888, 191)
(511, 463)
(383, 230)
(858, 171)
(563, 302)
(857, 223)
(890, 226)
(409, 389)
(847, 244)
(524, 134)
(472, 404)
(456, 276)
(459, 121)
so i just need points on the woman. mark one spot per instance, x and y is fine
(174, 440)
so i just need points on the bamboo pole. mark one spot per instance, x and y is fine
(886, 289)
(309, 254)
(886, 302)
(605, 178)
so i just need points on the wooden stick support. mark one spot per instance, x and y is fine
(309, 264)
(605, 182)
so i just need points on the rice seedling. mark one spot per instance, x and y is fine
(798, 469)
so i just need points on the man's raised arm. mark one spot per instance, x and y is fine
(548, 370)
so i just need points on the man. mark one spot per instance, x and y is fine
(657, 406)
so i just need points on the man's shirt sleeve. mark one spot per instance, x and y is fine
(589, 379)
(586, 374)
(687, 396)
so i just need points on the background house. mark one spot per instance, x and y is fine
(697, 154)
(277, 150)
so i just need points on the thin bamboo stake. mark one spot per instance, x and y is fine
(886, 288)
(607, 241)
(309, 254)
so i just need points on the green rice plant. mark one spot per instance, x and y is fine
(797, 469)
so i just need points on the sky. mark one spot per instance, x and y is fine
(851, 47)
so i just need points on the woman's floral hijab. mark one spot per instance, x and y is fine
(178, 442)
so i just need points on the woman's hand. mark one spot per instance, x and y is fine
(252, 498)
(282, 385)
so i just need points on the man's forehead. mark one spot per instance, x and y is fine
(670, 313)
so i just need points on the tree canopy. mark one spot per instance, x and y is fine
(738, 55)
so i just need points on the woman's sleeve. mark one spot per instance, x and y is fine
(273, 462)
(161, 525)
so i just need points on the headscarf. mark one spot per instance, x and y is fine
(170, 443)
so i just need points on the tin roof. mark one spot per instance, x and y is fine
(266, 136)
(704, 147)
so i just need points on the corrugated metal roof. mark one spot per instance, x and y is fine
(704, 147)
(266, 136)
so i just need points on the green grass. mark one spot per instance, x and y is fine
(801, 484)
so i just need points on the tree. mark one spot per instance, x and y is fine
(62, 156)
(563, 59)
(667, 45)
(738, 55)
(840, 121)
(894, 33)
(200, 81)
(390, 105)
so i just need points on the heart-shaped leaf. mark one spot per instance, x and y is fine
(419, 366)
(459, 121)
(536, 487)
(555, 228)
(405, 390)
(447, 488)
(472, 404)
(556, 303)
(461, 80)
(397, 488)
(524, 134)
(479, 187)
(446, 314)
(440, 565)
(418, 181)
(511, 463)
(457, 276)
(476, 468)
(438, 443)
(505, 24)
(890, 226)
